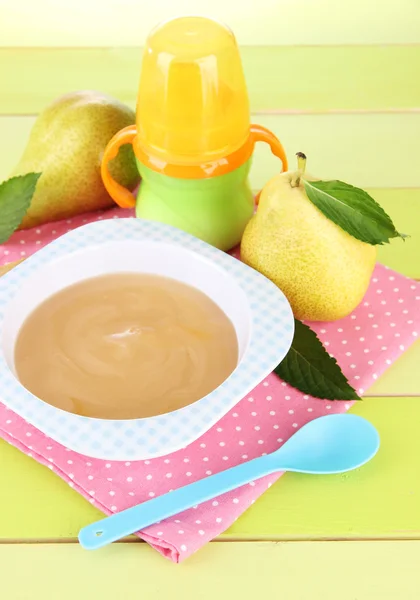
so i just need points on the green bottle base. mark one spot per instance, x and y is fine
(215, 210)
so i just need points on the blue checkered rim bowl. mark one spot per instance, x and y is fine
(259, 311)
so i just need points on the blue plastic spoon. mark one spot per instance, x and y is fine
(330, 444)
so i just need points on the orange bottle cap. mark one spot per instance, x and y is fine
(193, 105)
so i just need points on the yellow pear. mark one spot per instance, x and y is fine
(66, 145)
(323, 271)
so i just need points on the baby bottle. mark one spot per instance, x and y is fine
(193, 140)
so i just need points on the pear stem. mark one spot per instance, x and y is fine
(301, 160)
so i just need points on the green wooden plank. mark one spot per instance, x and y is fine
(371, 151)
(402, 377)
(268, 22)
(298, 571)
(380, 500)
(279, 78)
(404, 208)
(368, 150)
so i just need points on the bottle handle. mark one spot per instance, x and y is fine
(262, 134)
(118, 193)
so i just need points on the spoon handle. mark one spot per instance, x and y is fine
(138, 517)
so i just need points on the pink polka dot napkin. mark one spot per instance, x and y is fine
(384, 325)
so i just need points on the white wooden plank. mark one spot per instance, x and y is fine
(266, 22)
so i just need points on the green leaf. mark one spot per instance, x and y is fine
(309, 368)
(353, 210)
(15, 198)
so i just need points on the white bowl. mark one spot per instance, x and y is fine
(259, 311)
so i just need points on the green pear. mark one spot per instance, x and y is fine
(66, 145)
(323, 271)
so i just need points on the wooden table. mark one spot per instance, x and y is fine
(351, 102)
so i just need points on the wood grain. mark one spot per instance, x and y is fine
(9, 266)
(266, 22)
(298, 571)
(280, 78)
(352, 147)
